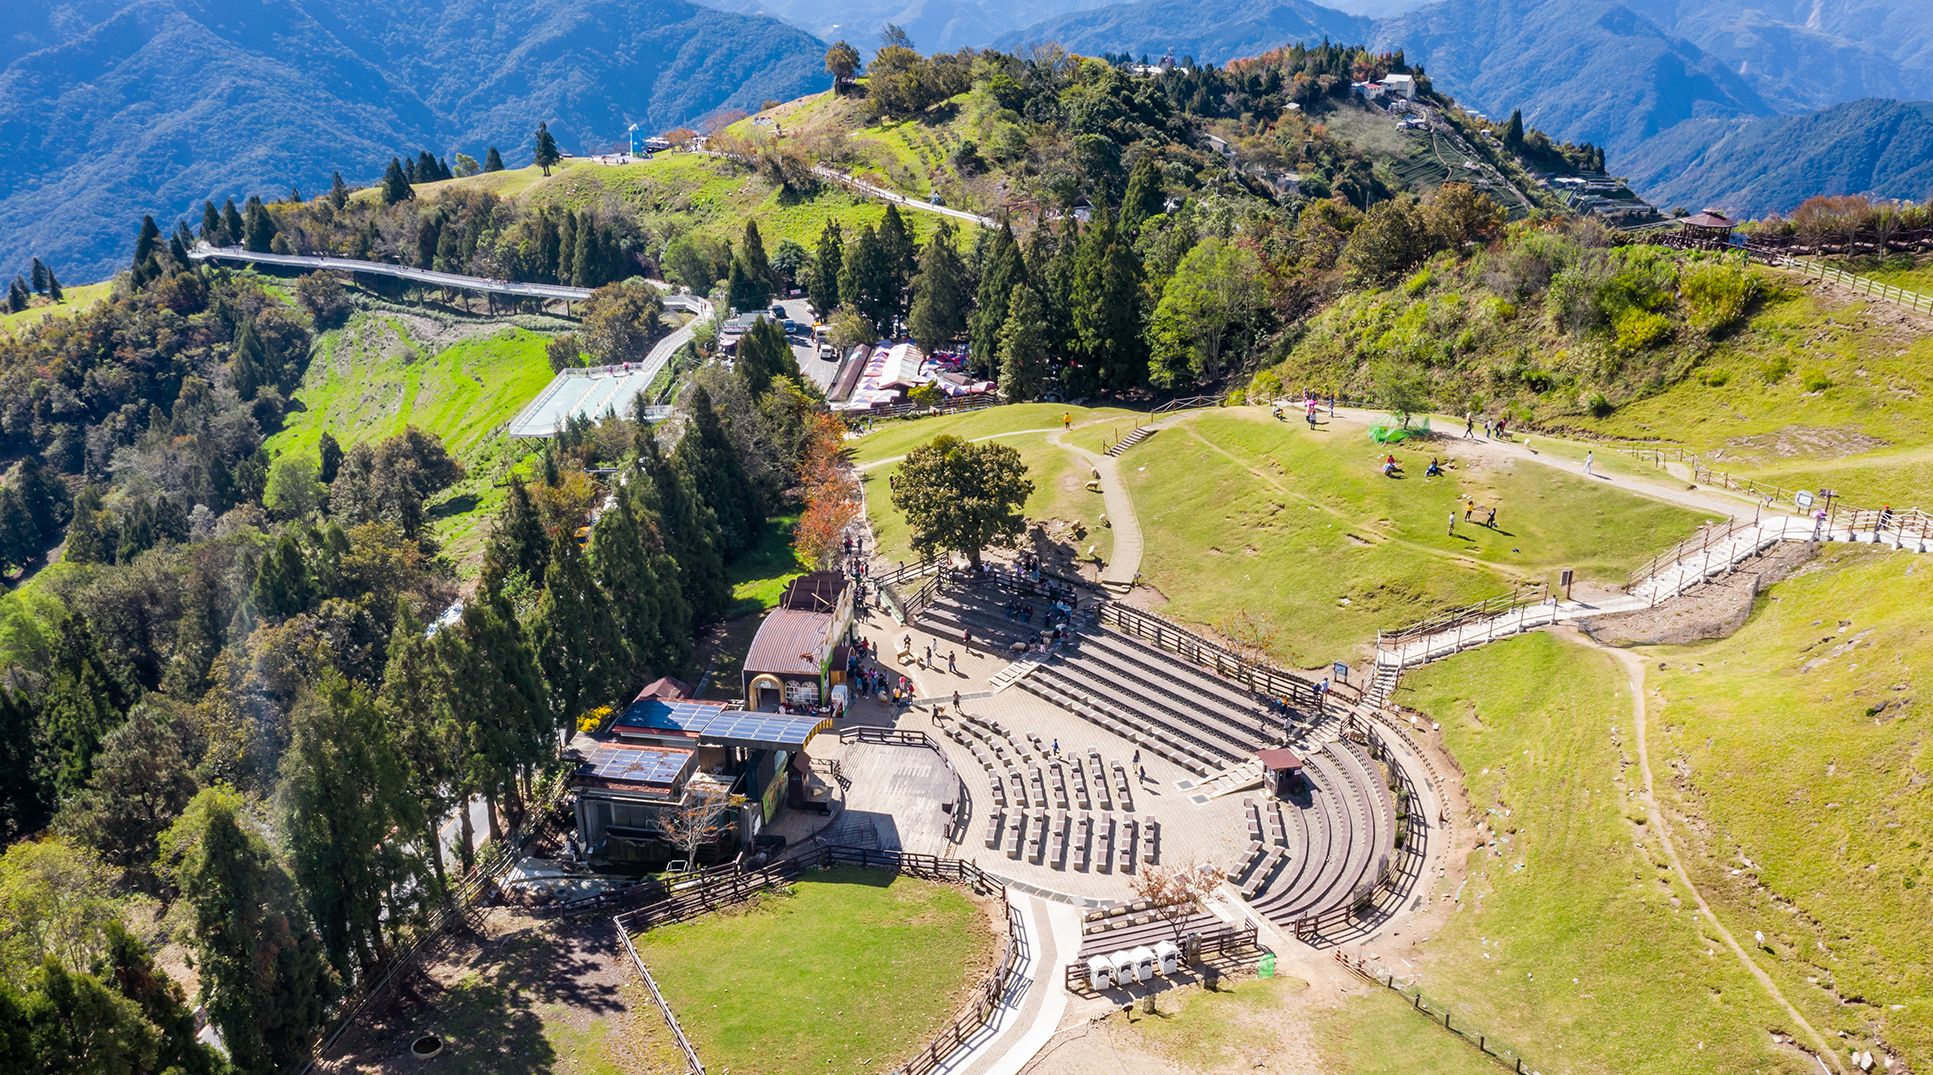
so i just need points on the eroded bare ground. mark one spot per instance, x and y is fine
(1709, 612)
(521, 996)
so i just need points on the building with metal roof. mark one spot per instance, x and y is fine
(799, 651)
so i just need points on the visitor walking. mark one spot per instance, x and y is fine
(956, 705)
(1067, 420)
(1589, 459)
(1491, 519)
(1469, 506)
(1141, 773)
(1453, 524)
(1056, 750)
(1486, 428)
(951, 667)
(1469, 425)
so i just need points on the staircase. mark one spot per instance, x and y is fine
(1130, 441)
(1382, 686)
(1011, 674)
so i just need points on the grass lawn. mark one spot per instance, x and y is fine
(760, 576)
(1570, 941)
(1376, 1032)
(1804, 752)
(73, 300)
(1241, 513)
(379, 375)
(1060, 480)
(853, 970)
(1819, 388)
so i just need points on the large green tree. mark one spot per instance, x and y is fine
(962, 497)
(822, 279)
(751, 272)
(575, 633)
(263, 977)
(707, 457)
(622, 321)
(1214, 292)
(1026, 357)
(1002, 268)
(941, 293)
(545, 154)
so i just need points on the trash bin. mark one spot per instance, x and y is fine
(1100, 973)
(1167, 956)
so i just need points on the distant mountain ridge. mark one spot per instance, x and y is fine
(1212, 30)
(111, 110)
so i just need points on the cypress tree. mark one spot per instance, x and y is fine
(546, 153)
(146, 246)
(17, 295)
(26, 799)
(328, 457)
(623, 561)
(80, 704)
(89, 541)
(690, 533)
(827, 258)
(1143, 198)
(866, 283)
(211, 226)
(443, 169)
(54, 290)
(39, 277)
(1025, 358)
(338, 191)
(566, 248)
(940, 293)
(575, 633)
(1513, 132)
(706, 456)
(231, 224)
(395, 184)
(901, 257)
(258, 227)
(1003, 270)
(754, 268)
(1105, 306)
(493, 160)
(518, 543)
(763, 354)
(282, 584)
(179, 243)
(426, 167)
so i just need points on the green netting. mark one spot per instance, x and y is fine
(1386, 432)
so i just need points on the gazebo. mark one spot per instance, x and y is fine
(1282, 767)
(1709, 228)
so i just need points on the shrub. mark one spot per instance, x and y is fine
(1815, 381)
(1718, 296)
(1267, 385)
(1775, 369)
(1640, 330)
(1599, 406)
(1417, 281)
(1717, 378)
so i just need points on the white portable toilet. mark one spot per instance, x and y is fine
(1100, 973)
(1123, 967)
(1167, 956)
(1143, 963)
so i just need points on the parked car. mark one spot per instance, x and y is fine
(778, 312)
(828, 352)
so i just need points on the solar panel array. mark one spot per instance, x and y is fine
(714, 722)
(641, 765)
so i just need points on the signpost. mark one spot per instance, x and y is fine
(1342, 672)
(1564, 580)
(1803, 499)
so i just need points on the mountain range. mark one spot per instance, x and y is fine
(111, 109)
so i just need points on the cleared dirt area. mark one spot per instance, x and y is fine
(521, 996)
(1708, 612)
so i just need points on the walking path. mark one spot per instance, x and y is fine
(1634, 673)
(1125, 565)
(1033, 1007)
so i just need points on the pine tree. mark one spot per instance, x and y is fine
(624, 562)
(502, 713)
(1025, 360)
(146, 247)
(1002, 271)
(89, 538)
(338, 191)
(54, 290)
(395, 184)
(282, 584)
(827, 258)
(231, 224)
(81, 703)
(328, 458)
(425, 167)
(248, 369)
(755, 269)
(1105, 306)
(26, 795)
(940, 293)
(866, 285)
(546, 153)
(211, 226)
(39, 277)
(763, 354)
(443, 169)
(493, 160)
(127, 966)
(518, 544)
(1513, 132)
(17, 295)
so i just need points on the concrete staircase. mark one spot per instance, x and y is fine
(1129, 441)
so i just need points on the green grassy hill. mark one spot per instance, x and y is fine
(74, 300)
(386, 371)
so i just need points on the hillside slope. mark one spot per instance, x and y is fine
(162, 103)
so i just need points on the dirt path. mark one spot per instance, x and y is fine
(890, 460)
(1634, 674)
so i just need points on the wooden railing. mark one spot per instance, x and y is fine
(1188, 402)
(1707, 538)
(962, 808)
(1813, 267)
(693, 1065)
(1167, 635)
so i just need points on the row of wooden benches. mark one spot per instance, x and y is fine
(1093, 839)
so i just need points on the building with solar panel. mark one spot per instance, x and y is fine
(666, 751)
(799, 653)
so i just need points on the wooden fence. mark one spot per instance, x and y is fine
(1360, 916)
(961, 809)
(1440, 1014)
(1819, 270)
(1167, 635)
(1242, 938)
(736, 888)
(1450, 619)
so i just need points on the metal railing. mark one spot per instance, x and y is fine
(1701, 543)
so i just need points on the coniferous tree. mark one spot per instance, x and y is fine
(231, 223)
(866, 283)
(518, 543)
(126, 965)
(80, 705)
(493, 160)
(426, 170)
(338, 191)
(282, 584)
(1002, 271)
(1106, 307)
(54, 290)
(575, 633)
(415, 699)
(89, 539)
(823, 279)
(763, 354)
(328, 458)
(690, 535)
(1143, 198)
(147, 246)
(546, 153)
(180, 242)
(38, 277)
(258, 228)
(395, 184)
(211, 231)
(941, 293)
(707, 457)
(502, 713)
(409, 171)
(263, 977)
(901, 256)
(1026, 362)
(354, 875)
(624, 561)
(1513, 131)
(26, 795)
(17, 295)
(754, 269)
